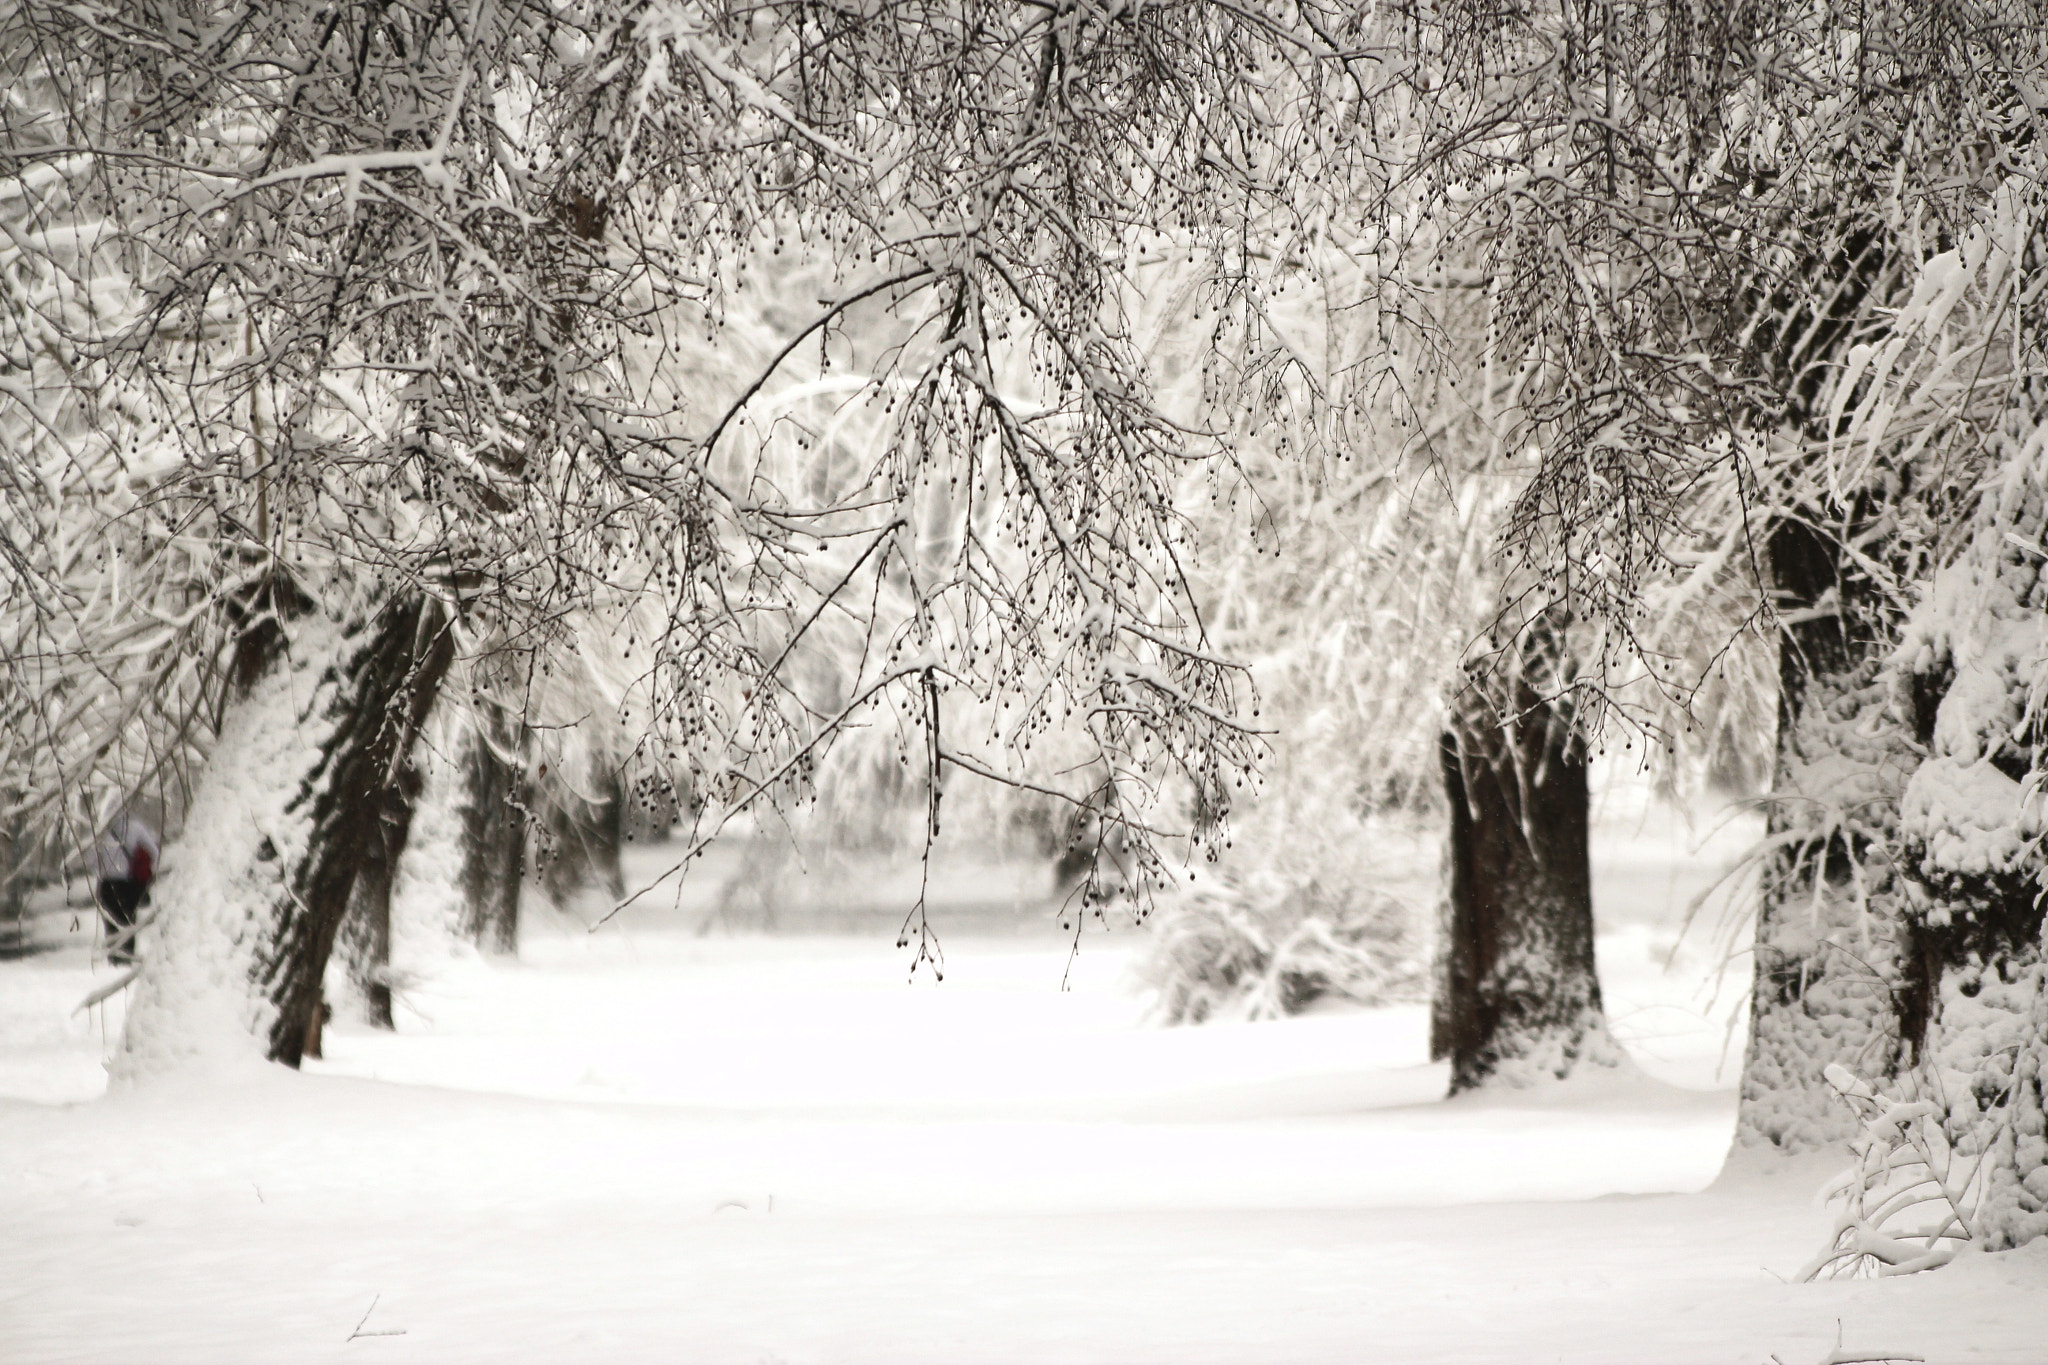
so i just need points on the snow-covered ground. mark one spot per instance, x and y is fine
(647, 1145)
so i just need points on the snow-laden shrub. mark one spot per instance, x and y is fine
(1910, 1201)
(1265, 942)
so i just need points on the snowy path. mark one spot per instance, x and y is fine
(646, 1146)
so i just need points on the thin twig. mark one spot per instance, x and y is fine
(386, 1332)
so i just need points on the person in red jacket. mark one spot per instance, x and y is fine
(126, 858)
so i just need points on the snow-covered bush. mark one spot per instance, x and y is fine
(1310, 921)
(1265, 951)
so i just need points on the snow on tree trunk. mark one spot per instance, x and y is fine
(1516, 997)
(403, 860)
(1829, 935)
(494, 812)
(283, 818)
(429, 916)
(1975, 663)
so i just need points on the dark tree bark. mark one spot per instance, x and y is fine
(366, 930)
(494, 817)
(15, 870)
(384, 685)
(584, 838)
(1516, 990)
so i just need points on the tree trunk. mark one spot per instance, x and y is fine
(584, 839)
(1516, 994)
(1974, 1006)
(363, 944)
(1828, 927)
(15, 869)
(366, 930)
(290, 809)
(1830, 933)
(494, 814)
(390, 681)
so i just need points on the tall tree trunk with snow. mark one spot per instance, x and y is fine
(1828, 930)
(1516, 994)
(1830, 938)
(494, 817)
(288, 810)
(1974, 1000)
(1951, 422)
(430, 928)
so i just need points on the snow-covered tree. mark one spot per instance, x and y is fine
(396, 317)
(1693, 214)
(1363, 582)
(1902, 153)
(1543, 146)
(1954, 382)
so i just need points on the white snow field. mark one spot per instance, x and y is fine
(646, 1145)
